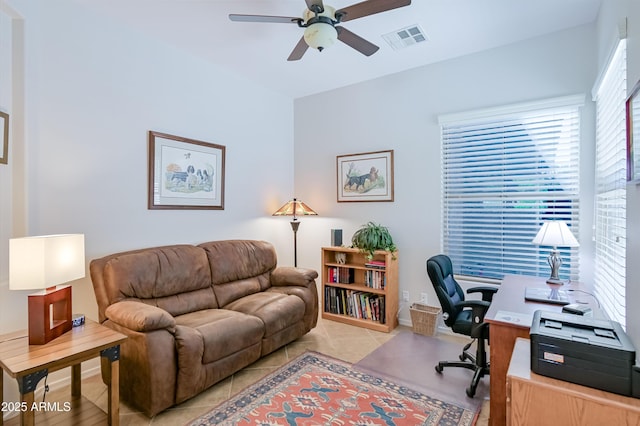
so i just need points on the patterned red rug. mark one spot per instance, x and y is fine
(315, 389)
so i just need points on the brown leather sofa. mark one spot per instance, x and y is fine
(194, 315)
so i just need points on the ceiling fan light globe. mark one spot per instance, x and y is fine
(320, 35)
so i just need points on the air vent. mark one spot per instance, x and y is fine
(405, 37)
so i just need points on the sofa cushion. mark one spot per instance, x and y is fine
(211, 345)
(239, 267)
(276, 310)
(215, 334)
(174, 278)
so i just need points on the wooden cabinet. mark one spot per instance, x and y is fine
(359, 291)
(534, 400)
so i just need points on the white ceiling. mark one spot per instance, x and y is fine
(260, 50)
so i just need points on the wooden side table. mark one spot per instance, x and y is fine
(30, 364)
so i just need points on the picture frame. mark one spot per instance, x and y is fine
(4, 133)
(365, 177)
(633, 134)
(185, 173)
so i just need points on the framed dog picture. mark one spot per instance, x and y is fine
(365, 177)
(185, 173)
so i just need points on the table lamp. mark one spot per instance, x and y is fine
(555, 233)
(43, 262)
(295, 208)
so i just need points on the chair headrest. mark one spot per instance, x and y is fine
(441, 265)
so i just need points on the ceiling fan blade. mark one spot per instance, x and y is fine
(361, 45)
(299, 50)
(315, 3)
(370, 7)
(264, 18)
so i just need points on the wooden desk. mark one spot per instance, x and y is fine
(535, 400)
(28, 364)
(503, 334)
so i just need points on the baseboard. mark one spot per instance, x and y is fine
(65, 381)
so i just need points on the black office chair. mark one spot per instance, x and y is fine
(463, 316)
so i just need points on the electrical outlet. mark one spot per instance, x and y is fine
(405, 296)
(423, 298)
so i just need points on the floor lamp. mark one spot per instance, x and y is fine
(295, 208)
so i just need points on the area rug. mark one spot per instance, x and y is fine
(315, 389)
(409, 359)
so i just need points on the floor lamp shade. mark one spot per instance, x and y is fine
(42, 263)
(295, 208)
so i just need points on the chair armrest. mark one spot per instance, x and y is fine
(139, 316)
(487, 292)
(478, 307)
(286, 275)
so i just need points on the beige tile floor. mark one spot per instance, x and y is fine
(339, 340)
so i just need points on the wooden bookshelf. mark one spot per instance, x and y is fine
(360, 291)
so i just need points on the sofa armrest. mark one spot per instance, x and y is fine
(141, 317)
(287, 275)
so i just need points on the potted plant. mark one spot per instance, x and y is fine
(371, 237)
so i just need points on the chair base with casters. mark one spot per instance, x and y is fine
(478, 363)
(464, 317)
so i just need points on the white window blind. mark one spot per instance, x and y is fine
(504, 171)
(611, 195)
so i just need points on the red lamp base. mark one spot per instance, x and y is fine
(49, 314)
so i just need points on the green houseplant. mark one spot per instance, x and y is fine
(371, 237)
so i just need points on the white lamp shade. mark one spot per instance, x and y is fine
(555, 233)
(45, 261)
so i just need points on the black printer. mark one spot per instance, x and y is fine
(584, 350)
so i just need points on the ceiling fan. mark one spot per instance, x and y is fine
(319, 22)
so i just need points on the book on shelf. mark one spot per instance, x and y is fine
(356, 304)
(340, 274)
(375, 264)
(375, 279)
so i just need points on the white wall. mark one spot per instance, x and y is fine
(12, 200)
(94, 88)
(400, 112)
(5, 170)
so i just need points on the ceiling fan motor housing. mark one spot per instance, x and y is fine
(320, 31)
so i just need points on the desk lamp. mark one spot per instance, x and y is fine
(295, 208)
(556, 234)
(43, 262)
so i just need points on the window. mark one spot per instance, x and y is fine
(610, 186)
(504, 171)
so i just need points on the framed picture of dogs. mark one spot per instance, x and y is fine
(4, 134)
(185, 173)
(365, 177)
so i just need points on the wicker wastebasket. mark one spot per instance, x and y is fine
(424, 319)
